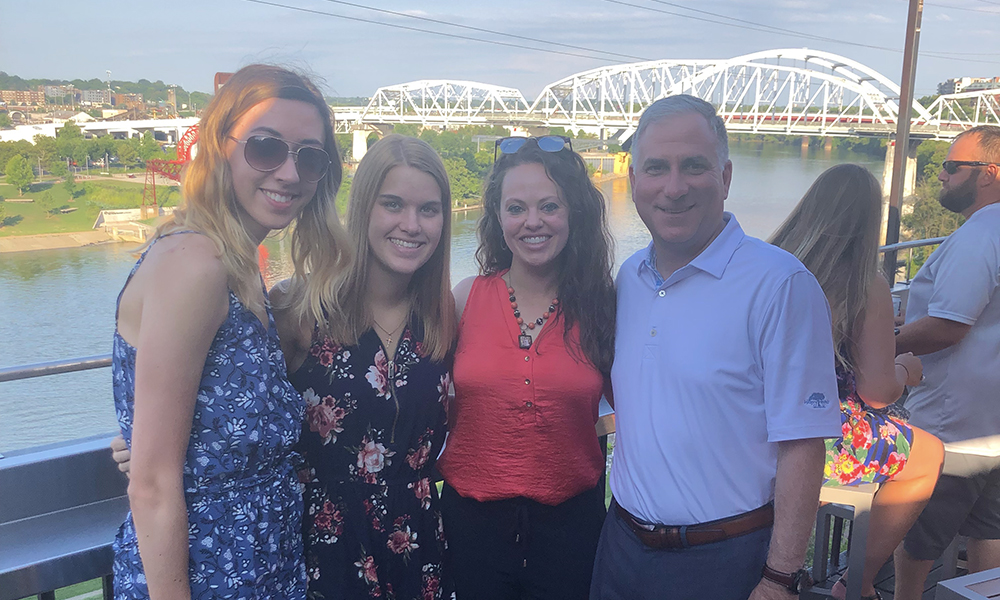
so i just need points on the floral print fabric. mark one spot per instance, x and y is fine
(874, 446)
(244, 506)
(373, 430)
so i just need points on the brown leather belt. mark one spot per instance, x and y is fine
(664, 537)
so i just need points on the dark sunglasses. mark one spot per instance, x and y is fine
(545, 143)
(951, 166)
(266, 153)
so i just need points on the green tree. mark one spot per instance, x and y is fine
(928, 219)
(19, 173)
(149, 148)
(128, 151)
(70, 131)
(930, 155)
(407, 129)
(465, 186)
(5, 120)
(70, 183)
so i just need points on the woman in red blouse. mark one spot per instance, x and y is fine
(521, 506)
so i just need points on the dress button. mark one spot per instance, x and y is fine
(528, 404)
(652, 333)
(527, 358)
(661, 293)
(527, 381)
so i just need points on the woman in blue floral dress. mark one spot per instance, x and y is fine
(374, 375)
(834, 232)
(199, 376)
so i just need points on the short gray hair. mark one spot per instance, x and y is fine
(988, 140)
(680, 104)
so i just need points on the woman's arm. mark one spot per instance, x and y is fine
(295, 336)
(184, 301)
(881, 377)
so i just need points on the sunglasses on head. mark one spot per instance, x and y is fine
(545, 143)
(266, 153)
(951, 166)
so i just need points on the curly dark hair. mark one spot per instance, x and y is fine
(586, 288)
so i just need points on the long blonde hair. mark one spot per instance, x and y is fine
(834, 232)
(209, 205)
(430, 287)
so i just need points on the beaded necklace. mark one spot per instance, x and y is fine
(524, 340)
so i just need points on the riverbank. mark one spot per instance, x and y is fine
(53, 241)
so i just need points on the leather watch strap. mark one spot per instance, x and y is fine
(793, 582)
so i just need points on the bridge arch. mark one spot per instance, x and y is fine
(795, 91)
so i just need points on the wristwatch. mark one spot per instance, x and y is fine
(795, 582)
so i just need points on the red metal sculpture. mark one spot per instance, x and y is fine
(171, 169)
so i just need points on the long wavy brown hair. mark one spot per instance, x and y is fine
(834, 232)
(319, 243)
(586, 289)
(430, 288)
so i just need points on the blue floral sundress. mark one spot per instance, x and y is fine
(243, 498)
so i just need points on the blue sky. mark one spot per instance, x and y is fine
(186, 42)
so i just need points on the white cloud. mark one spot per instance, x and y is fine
(878, 18)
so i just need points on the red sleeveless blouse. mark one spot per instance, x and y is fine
(523, 421)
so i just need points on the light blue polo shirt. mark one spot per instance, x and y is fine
(729, 355)
(959, 398)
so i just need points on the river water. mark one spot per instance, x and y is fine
(59, 304)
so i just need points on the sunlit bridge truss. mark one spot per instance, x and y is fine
(793, 91)
(445, 103)
(967, 109)
(789, 91)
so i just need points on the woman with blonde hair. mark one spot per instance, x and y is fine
(834, 232)
(374, 375)
(199, 379)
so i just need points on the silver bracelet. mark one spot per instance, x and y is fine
(904, 368)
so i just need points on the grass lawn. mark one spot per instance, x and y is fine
(76, 590)
(32, 218)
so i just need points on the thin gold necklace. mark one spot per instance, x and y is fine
(389, 334)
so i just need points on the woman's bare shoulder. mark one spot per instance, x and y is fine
(461, 293)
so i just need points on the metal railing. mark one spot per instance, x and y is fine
(909, 247)
(55, 367)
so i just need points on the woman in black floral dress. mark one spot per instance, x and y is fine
(375, 379)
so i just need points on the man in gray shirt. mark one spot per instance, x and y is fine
(953, 323)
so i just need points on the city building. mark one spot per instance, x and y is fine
(968, 84)
(55, 91)
(95, 96)
(127, 101)
(22, 97)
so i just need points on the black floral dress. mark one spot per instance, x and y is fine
(373, 429)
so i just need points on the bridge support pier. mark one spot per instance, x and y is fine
(909, 181)
(359, 144)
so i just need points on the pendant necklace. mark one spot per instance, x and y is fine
(524, 340)
(389, 334)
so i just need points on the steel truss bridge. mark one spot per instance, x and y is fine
(789, 91)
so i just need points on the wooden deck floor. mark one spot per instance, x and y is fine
(884, 582)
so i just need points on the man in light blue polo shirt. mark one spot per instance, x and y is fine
(723, 381)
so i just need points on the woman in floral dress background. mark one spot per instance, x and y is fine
(834, 232)
(375, 380)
